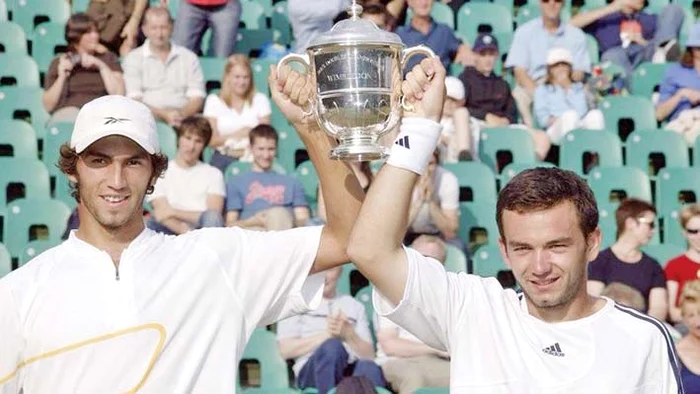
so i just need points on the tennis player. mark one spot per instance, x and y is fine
(552, 338)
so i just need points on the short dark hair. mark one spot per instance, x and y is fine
(687, 58)
(263, 131)
(538, 189)
(77, 25)
(630, 208)
(195, 124)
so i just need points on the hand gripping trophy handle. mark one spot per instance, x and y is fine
(305, 61)
(406, 54)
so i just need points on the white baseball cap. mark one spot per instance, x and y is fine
(115, 115)
(559, 55)
(454, 88)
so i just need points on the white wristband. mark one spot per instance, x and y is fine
(415, 144)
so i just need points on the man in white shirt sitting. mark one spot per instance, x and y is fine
(408, 363)
(330, 342)
(191, 193)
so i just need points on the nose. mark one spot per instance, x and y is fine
(117, 180)
(541, 265)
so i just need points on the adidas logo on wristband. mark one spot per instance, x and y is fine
(403, 141)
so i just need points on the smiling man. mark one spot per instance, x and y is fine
(551, 338)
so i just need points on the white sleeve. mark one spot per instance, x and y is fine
(217, 186)
(289, 327)
(212, 107)
(449, 191)
(669, 364)
(262, 105)
(269, 271)
(11, 342)
(435, 302)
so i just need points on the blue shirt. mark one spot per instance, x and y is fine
(440, 38)
(531, 43)
(678, 77)
(553, 100)
(254, 192)
(606, 30)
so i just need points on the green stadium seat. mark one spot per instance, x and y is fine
(495, 140)
(282, 29)
(63, 193)
(49, 40)
(3, 11)
(581, 141)
(487, 261)
(12, 38)
(641, 145)
(364, 296)
(30, 172)
(474, 219)
(696, 153)
(639, 110)
(18, 70)
(647, 77)
(676, 187)
(24, 103)
(29, 13)
(23, 214)
(248, 41)
(608, 225)
(261, 69)
(474, 178)
(20, 136)
(611, 185)
(56, 135)
(513, 169)
(432, 390)
(593, 49)
(343, 285)
(167, 139)
(441, 13)
(289, 148)
(5, 261)
(82, 5)
(262, 347)
(526, 13)
(663, 252)
(236, 168)
(35, 248)
(306, 173)
(673, 232)
(456, 260)
(213, 71)
(253, 15)
(472, 16)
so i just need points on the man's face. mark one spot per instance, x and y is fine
(264, 152)
(485, 60)
(113, 175)
(551, 9)
(692, 233)
(642, 227)
(548, 254)
(158, 29)
(421, 8)
(189, 147)
(377, 19)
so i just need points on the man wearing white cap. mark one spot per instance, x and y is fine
(119, 308)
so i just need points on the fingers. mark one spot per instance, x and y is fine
(273, 80)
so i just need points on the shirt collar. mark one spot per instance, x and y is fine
(174, 50)
(140, 239)
(560, 29)
(433, 25)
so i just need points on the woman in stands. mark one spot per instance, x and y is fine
(560, 104)
(679, 93)
(685, 267)
(82, 74)
(689, 346)
(234, 111)
(624, 262)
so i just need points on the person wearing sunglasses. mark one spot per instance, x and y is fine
(625, 263)
(685, 267)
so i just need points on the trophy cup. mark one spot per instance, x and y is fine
(357, 69)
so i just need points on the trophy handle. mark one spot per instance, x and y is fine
(304, 60)
(406, 54)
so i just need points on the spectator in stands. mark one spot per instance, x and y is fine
(81, 74)
(689, 346)
(378, 14)
(454, 139)
(560, 104)
(435, 205)
(312, 18)
(628, 36)
(330, 342)
(194, 17)
(234, 111)
(685, 267)
(164, 76)
(624, 262)
(528, 53)
(118, 23)
(489, 100)
(409, 364)
(191, 193)
(263, 199)
(679, 93)
(439, 37)
(625, 295)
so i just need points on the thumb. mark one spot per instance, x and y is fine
(273, 80)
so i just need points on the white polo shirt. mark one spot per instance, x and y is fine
(187, 188)
(175, 321)
(496, 346)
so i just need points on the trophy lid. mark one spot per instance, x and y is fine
(356, 30)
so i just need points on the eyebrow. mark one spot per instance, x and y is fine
(565, 240)
(138, 156)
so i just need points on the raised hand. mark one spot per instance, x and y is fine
(424, 89)
(292, 91)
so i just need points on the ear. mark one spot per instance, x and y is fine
(504, 251)
(593, 243)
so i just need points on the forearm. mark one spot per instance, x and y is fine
(114, 83)
(413, 212)
(665, 109)
(524, 80)
(674, 314)
(446, 226)
(192, 107)
(191, 217)
(578, 75)
(583, 19)
(296, 347)
(175, 225)
(658, 311)
(137, 13)
(399, 347)
(52, 95)
(362, 348)
(395, 7)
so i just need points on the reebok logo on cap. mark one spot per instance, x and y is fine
(112, 120)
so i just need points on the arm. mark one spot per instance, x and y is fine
(396, 7)
(395, 346)
(192, 107)
(301, 216)
(595, 287)
(290, 92)
(583, 19)
(464, 55)
(666, 107)
(56, 79)
(578, 75)
(674, 312)
(291, 348)
(446, 220)
(524, 80)
(255, 221)
(658, 303)
(113, 80)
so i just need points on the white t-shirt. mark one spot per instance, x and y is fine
(228, 120)
(187, 189)
(446, 193)
(497, 347)
(176, 319)
(314, 322)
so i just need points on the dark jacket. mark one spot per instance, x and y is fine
(487, 94)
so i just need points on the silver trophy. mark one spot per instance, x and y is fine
(357, 69)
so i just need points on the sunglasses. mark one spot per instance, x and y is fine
(651, 223)
(692, 231)
(556, 1)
